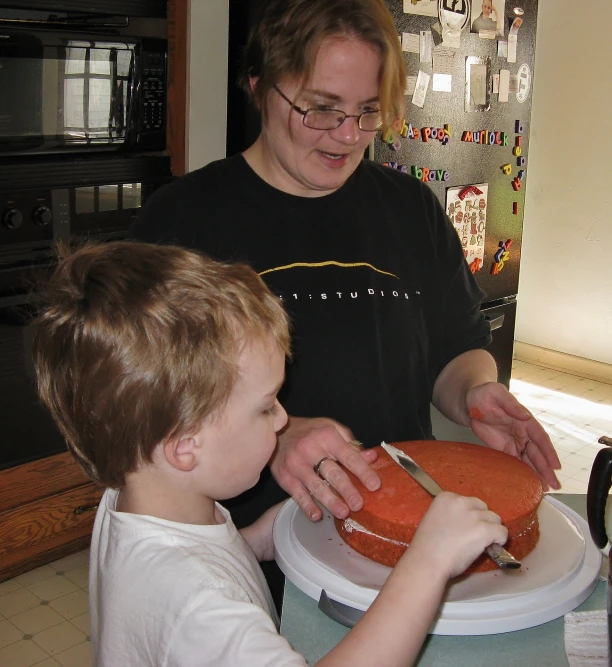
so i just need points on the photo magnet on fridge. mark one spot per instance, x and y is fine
(488, 17)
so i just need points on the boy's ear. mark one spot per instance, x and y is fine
(181, 453)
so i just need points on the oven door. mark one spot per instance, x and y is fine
(64, 93)
(28, 432)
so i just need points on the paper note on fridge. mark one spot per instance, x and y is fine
(504, 84)
(420, 91)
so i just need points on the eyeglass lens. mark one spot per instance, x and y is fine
(331, 119)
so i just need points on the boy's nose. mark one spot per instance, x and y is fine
(280, 417)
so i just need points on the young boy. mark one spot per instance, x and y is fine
(161, 368)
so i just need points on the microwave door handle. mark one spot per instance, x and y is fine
(116, 111)
(132, 96)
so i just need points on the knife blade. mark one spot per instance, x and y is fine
(502, 558)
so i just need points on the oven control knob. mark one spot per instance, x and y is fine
(12, 218)
(42, 216)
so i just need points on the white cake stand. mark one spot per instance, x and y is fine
(556, 577)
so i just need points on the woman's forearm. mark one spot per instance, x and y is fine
(468, 370)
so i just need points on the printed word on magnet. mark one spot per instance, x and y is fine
(427, 175)
(485, 137)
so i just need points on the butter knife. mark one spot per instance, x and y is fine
(500, 556)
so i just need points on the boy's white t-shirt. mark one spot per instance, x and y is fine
(168, 594)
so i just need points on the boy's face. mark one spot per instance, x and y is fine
(239, 441)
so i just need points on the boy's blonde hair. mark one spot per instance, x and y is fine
(137, 343)
(286, 38)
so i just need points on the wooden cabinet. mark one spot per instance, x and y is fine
(47, 510)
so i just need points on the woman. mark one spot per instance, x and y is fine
(385, 311)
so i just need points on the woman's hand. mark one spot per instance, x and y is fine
(302, 445)
(501, 422)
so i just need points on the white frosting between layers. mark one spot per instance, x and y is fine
(351, 525)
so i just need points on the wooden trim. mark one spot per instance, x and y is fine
(32, 481)
(178, 18)
(560, 361)
(47, 529)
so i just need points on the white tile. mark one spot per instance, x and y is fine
(589, 452)
(583, 476)
(79, 576)
(569, 470)
(71, 562)
(79, 656)
(24, 653)
(38, 574)
(59, 638)
(49, 662)
(573, 486)
(604, 425)
(580, 462)
(566, 446)
(36, 619)
(9, 586)
(55, 587)
(9, 634)
(17, 601)
(82, 623)
(71, 605)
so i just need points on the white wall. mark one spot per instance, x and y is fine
(565, 291)
(207, 82)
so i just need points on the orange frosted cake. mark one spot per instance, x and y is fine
(385, 525)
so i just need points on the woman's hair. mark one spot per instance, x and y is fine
(137, 343)
(287, 35)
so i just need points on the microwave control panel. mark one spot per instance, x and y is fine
(152, 119)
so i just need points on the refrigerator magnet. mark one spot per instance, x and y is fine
(487, 18)
(454, 15)
(466, 207)
(478, 83)
(421, 7)
(524, 83)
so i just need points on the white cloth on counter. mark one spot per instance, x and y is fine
(586, 638)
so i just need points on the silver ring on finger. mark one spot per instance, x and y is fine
(524, 448)
(317, 466)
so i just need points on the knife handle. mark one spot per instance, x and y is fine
(502, 558)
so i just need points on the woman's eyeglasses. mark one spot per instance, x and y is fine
(330, 119)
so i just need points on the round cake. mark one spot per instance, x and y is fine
(384, 527)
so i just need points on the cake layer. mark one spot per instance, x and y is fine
(389, 552)
(508, 486)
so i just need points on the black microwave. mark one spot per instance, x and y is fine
(76, 93)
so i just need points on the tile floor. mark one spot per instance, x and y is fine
(43, 613)
(575, 412)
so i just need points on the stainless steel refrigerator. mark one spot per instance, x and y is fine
(474, 73)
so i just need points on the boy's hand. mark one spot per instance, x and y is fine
(455, 531)
(259, 534)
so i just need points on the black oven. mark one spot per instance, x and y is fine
(65, 92)
(42, 202)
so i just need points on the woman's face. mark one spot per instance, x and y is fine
(313, 163)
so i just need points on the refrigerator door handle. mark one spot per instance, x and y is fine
(495, 322)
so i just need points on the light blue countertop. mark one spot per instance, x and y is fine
(313, 634)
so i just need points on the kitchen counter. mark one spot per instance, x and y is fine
(313, 634)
